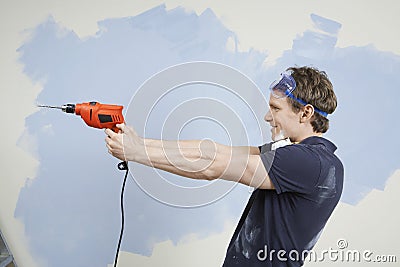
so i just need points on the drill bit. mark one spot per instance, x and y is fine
(43, 106)
(68, 108)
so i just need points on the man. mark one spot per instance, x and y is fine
(298, 179)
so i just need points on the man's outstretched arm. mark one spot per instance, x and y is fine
(197, 159)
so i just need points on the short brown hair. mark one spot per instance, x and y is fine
(313, 87)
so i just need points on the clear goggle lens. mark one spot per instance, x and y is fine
(284, 86)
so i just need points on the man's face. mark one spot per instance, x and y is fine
(283, 120)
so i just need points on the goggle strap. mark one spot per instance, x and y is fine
(289, 94)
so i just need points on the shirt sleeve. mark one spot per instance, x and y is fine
(264, 148)
(293, 168)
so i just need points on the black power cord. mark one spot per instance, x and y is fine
(123, 166)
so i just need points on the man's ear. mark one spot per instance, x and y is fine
(307, 113)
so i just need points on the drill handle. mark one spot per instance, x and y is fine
(116, 129)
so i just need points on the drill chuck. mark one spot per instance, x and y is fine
(68, 108)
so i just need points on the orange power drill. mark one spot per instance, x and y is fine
(101, 116)
(95, 114)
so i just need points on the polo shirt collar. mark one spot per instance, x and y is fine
(315, 140)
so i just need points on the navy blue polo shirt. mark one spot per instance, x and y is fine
(279, 226)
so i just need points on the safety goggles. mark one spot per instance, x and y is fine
(285, 86)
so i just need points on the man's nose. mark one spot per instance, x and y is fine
(268, 116)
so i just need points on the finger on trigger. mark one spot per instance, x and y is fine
(109, 132)
(121, 126)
